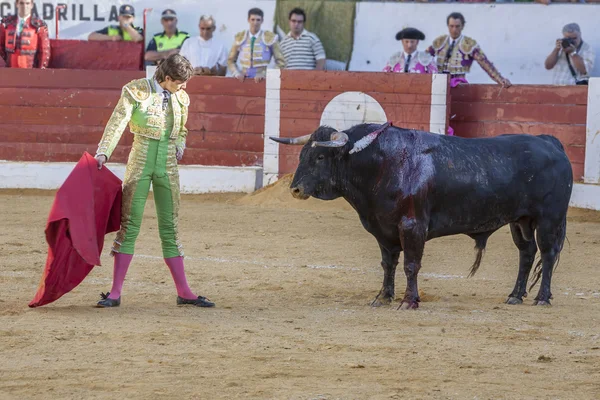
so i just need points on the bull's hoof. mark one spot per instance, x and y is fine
(514, 301)
(542, 303)
(381, 301)
(408, 305)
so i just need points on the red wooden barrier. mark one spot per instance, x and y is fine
(95, 55)
(55, 115)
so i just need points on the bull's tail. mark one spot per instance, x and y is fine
(562, 235)
(480, 243)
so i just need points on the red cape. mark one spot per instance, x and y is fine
(86, 207)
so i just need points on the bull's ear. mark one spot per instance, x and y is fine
(337, 139)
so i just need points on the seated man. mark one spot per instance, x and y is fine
(410, 60)
(208, 56)
(124, 31)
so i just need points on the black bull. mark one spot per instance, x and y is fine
(410, 186)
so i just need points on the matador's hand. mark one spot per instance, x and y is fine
(179, 154)
(101, 160)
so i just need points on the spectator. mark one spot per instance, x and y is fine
(572, 59)
(32, 52)
(166, 43)
(207, 55)
(255, 48)
(302, 49)
(410, 60)
(124, 31)
(456, 53)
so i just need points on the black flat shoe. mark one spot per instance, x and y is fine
(106, 302)
(199, 302)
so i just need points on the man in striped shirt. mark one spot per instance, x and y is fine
(302, 49)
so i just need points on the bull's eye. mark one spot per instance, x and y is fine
(321, 157)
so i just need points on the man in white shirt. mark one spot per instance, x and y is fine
(207, 55)
(571, 59)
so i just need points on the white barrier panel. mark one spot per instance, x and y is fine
(592, 142)
(194, 178)
(272, 125)
(585, 196)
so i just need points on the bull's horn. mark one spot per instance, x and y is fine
(337, 139)
(299, 141)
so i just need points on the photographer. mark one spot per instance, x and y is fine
(572, 59)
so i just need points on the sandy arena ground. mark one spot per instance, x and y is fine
(292, 281)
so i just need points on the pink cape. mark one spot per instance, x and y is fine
(86, 207)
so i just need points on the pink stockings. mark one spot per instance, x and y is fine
(122, 262)
(175, 265)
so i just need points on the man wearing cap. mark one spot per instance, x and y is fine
(166, 43)
(124, 31)
(411, 60)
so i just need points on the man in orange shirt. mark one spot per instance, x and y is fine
(24, 41)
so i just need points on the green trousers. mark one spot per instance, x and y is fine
(151, 162)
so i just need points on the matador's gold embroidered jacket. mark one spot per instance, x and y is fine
(254, 59)
(141, 106)
(463, 53)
